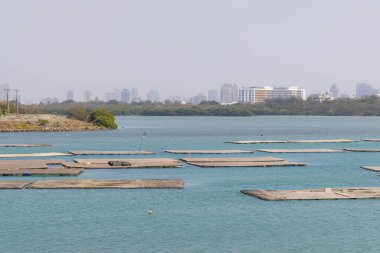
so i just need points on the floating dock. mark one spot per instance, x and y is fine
(29, 164)
(371, 168)
(134, 163)
(239, 162)
(14, 184)
(316, 194)
(291, 141)
(372, 140)
(362, 149)
(41, 172)
(234, 151)
(24, 145)
(94, 184)
(34, 155)
(299, 150)
(89, 152)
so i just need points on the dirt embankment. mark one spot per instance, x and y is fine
(43, 123)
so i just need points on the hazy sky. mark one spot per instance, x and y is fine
(184, 47)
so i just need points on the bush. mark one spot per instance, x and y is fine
(78, 113)
(43, 122)
(103, 118)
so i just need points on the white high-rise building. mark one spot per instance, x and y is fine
(229, 93)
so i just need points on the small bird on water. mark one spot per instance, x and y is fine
(149, 212)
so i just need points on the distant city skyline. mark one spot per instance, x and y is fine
(185, 48)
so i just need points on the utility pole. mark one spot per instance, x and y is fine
(17, 102)
(7, 90)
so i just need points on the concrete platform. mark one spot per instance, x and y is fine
(290, 141)
(29, 164)
(362, 149)
(34, 155)
(123, 152)
(299, 150)
(24, 145)
(14, 184)
(94, 184)
(212, 162)
(41, 172)
(234, 151)
(135, 163)
(316, 194)
(371, 168)
(372, 140)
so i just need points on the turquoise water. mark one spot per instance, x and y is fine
(210, 214)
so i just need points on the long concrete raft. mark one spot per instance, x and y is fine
(362, 149)
(122, 152)
(299, 150)
(41, 172)
(371, 168)
(133, 163)
(316, 194)
(291, 141)
(94, 184)
(208, 162)
(24, 145)
(34, 155)
(234, 151)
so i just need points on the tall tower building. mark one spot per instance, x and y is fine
(229, 93)
(134, 95)
(334, 90)
(125, 96)
(213, 95)
(70, 95)
(87, 96)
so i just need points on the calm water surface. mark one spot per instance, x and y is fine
(210, 214)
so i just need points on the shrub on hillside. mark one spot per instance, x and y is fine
(78, 113)
(103, 118)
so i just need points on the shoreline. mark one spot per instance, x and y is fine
(43, 123)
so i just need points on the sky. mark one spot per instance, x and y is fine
(184, 47)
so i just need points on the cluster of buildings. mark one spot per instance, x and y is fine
(227, 94)
(231, 93)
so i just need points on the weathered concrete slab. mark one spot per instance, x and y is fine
(290, 141)
(34, 155)
(14, 184)
(29, 164)
(245, 164)
(362, 149)
(371, 168)
(41, 172)
(122, 152)
(135, 163)
(316, 194)
(24, 145)
(231, 159)
(234, 151)
(299, 150)
(100, 184)
(256, 142)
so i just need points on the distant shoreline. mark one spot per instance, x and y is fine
(367, 106)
